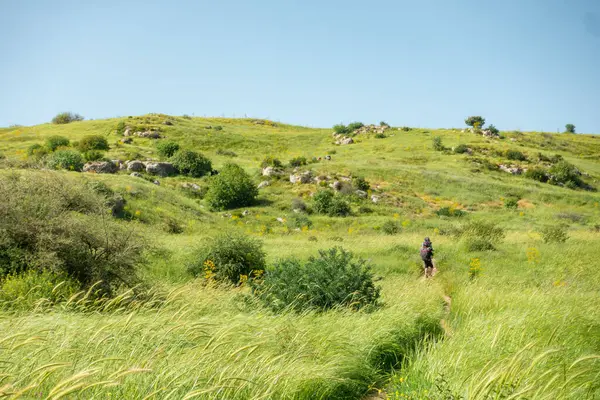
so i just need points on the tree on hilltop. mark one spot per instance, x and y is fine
(570, 128)
(475, 121)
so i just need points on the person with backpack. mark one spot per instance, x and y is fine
(427, 257)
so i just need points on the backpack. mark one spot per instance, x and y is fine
(425, 253)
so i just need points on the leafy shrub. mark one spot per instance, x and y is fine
(493, 129)
(332, 152)
(335, 278)
(515, 155)
(555, 158)
(298, 204)
(167, 148)
(570, 128)
(270, 161)
(191, 163)
(65, 159)
(461, 149)
(232, 188)
(341, 129)
(65, 230)
(383, 123)
(322, 201)
(437, 144)
(354, 126)
(298, 161)
(93, 155)
(475, 121)
(218, 128)
(478, 244)
(92, 142)
(121, 127)
(564, 173)
(37, 151)
(391, 227)
(313, 239)
(380, 135)
(24, 291)
(406, 128)
(227, 153)
(554, 234)
(339, 208)
(480, 235)
(537, 173)
(66, 117)
(299, 221)
(365, 210)
(185, 116)
(511, 203)
(228, 257)
(484, 163)
(450, 212)
(360, 183)
(54, 142)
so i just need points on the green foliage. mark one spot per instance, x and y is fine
(475, 121)
(121, 127)
(450, 212)
(229, 256)
(515, 155)
(360, 183)
(354, 126)
(70, 160)
(480, 235)
(36, 151)
(232, 188)
(565, 174)
(62, 226)
(333, 279)
(437, 143)
(511, 203)
(25, 290)
(493, 129)
(93, 142)
(191, 163)
(383, 123)
(570, 128)
(298, 204)
(484, 163)
(93, 155)
(391, 227)
(218, 128)
(325, 202)
(298, 161)
(167, 148)
(461, 149)
(341, 129)
(54, 142)
(537, 173)
(66, 117)
(227, 153)
(299, 221)
(554, 234)
(339, 208)
(270, 161)
(406, 128)
(380, 135)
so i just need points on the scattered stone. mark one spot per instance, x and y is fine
(126, 140)
(279, 219)
(157, 183)
(361, 193)
(192, 186)
(149, 134)
(127, 132)
(117, 205)
(371, 129)
(135, 165)
(490, 134)
(246, 213)
(226, 215)
(346, 140)
(101, 167)
(136, 175)
(304, 177)
(337, 185)
(512, 139)
(264, 184)
(272, 171)
(375, 199)
(512, 169)
(345, 178)
(160, 168)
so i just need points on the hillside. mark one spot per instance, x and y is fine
(511, 313)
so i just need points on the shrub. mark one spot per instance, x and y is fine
(341, 129)
(450, 212)
(93, 155)
(232, 188)
(493, 129)
(554, 234)
(298, 204)
(167, 148)
(484, 163)
(65, 159)
(383, 123)
(298, 161)
(437, 144)
(227, 153)
(380, 136)
(54, 142)
(65, 230)
(66, 117)
(515, 155)
(185, 116)
(299, 221)
(322, 201)
(570, 128)
(537, 173)
(480, 235)
(191, 163)
(270, 161)
(511, 203)
(365, 210)
(461, 149)
(478, 244)
(339, 208)
(121, 126)
(354, 126)
(406, 128)
(391, 227)
(360, 183)
(555, 158)
(24, 291)
(335, 278)
(218, 128)
(229, 257)
(564, 173)
(475, 121)
(37, 151)
(92, 142)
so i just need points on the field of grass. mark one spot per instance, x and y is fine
(518, 322)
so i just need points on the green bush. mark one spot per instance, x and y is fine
(270, 161)
(354, 126)
(570, 128)
(36, 151)
(227, 153)
(64, 230)
(66, 117)
(515, 155)
(480, 235)
(65, 159)
(380, 135)
(341, 129)
(478, 244)
(493, 129)
(339, 208)
(121, 126)
(228, 257)
(564, 173)
(360, 183)
(218, 128)
(93, 155)
(93, 142)
(554, 234)
(299, 221)
(54, 142)
(333, 279)
(391, 227)
(298, 204)
(191, 163)
(232, 188)
(461, 149)
(383, 123)
(511, 203)
(437, 143)
(537, 173)
(298, 161)
(406, 128)
(475, 121)
(450, 212)
(25, 290)
(322, 201)
(167, 148)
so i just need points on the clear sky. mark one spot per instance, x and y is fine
(522, 64)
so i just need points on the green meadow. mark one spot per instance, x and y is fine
(512, 312)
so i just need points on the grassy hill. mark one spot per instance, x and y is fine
(519, 320)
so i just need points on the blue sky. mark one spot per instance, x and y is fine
(522, 64)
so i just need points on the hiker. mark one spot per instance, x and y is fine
(427, 257)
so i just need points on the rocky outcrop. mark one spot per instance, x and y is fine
(160, 168)
(135, 166)
(101, 167)
(304, 177)
(149, 134)
(272, 171)
(263, 184)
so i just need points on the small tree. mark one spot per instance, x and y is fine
(66, 117)
(475, 121)
(232, 188)
(437, 144)
(54, 142)
(191, 163)
(92, 142)
(167, 148)
(570, 128)
(493, 129)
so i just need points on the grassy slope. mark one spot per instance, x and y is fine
(214, 344)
